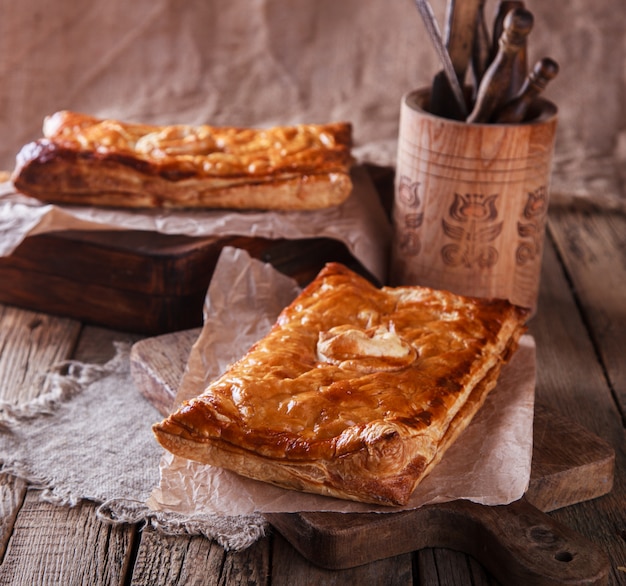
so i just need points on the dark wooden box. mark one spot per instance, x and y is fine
(140, 281)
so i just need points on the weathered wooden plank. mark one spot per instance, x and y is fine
(426, 566)
(447, 567)
(54, 545)
(12, 493)
(593, 249)
(480, 576)
(158, 364)
(96, 344)
(569, 376)
(289, 567)
(29, 344)
(174, 560)
(571, 379)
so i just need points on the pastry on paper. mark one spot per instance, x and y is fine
(83, 160)
(356, 392)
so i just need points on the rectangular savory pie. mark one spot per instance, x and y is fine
(84, 160)
(356, 392)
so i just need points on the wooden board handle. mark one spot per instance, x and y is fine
(517, 543)
(521, 545)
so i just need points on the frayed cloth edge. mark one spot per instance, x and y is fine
(60, 384)
(233, 533)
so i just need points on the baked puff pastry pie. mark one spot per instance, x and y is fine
(88, 161)
(356, 392)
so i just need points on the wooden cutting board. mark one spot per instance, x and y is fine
(519, 543)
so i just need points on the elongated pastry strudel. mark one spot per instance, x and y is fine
(89, 161)
(356, 392)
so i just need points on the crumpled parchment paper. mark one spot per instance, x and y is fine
(489, 463)
(360, 222)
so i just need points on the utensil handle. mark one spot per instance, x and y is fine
(430, 22)
(481, 46)
(496, 83)
(515, 110)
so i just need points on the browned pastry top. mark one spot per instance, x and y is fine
(207, 150)
(347, 363)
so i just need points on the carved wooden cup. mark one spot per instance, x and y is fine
(471, 202)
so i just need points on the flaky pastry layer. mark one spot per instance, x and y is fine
(89, 161)
(356, 392)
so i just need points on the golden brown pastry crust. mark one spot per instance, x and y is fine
(356, 392)
(89, 161)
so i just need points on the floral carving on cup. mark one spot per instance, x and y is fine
(408, 192)
(472, 223)
(411, 216)
(530, 228)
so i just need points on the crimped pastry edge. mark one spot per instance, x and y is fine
(66, 167)
(115, 182)
(325, 478)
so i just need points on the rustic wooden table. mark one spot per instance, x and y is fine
(580, 332)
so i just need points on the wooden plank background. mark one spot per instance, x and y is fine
(580, 335)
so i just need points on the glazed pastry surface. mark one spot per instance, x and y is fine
(356, 392)
(85, 160)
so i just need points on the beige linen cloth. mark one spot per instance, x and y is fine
(247, 63)
(88, 437)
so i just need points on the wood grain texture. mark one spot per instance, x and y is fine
(29, 344)
(96, 345)
(471, 203)
(142, 281)
(593, 249)
(576, 376)
(289, 567)
(517, 543)
(157, 366)
(571, 379)
(98, 304)
(446, 566)
(132, 260)
(570, 464)
(163, 559)
(64, 545)
(12, 494)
